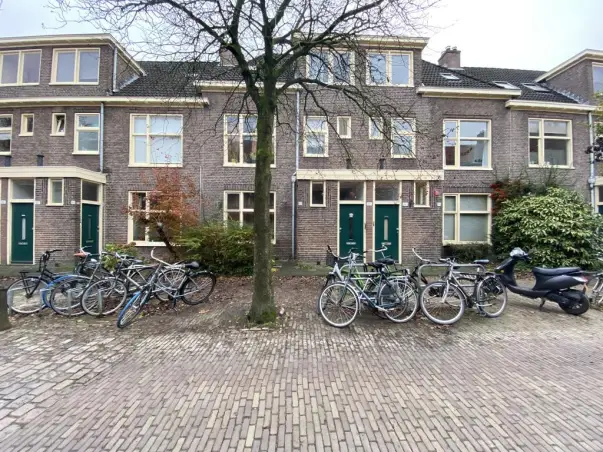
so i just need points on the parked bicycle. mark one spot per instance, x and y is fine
(195, 287)
(392, 295)
(444, 302)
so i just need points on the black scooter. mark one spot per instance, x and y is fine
(551, 283)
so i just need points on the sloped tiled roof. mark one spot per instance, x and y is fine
(482, 77)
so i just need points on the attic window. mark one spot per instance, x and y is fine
(449, 76)
(505, 85)
(536, 87)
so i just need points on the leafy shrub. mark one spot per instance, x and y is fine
(224, 250)
(109, 262)
(557, 228)
(469, 252)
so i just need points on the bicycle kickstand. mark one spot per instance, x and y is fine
(541, 304)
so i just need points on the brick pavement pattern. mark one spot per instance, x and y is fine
(190, 381)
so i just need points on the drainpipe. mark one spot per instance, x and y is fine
(114, 69)
(592, 178)
(294, 177)
(101, 131)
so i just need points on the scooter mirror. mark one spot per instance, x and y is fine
(517, 252)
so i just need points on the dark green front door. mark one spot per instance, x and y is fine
(351, 228)
(22, 233)
(90, 227)
(386, 229)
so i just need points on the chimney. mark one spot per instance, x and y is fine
(451, 58)
(227, 58)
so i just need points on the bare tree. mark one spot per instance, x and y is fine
(270, 43)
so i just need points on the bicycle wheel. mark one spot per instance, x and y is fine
(197, 288)
(104, 297)
(491, 296)
(339, 304)
(595, 290)
(168, 282)
(133, 308)
(24, 297)
(65, 296)
(400, 300)
(330, 279)
(442, 303)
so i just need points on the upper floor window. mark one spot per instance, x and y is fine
(597, 78)
(331, 67)
(550, 142)
(6, 133)
(390, 68)
(156, 139)
(241, 139)
(20, 67)
(27, 124)
(376, 128)
(316, 137)
(403, 138)
(76, 66)
(467, 144)
(87, 127)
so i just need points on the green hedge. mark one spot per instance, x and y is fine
(223, 250)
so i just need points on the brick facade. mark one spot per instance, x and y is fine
(204, 158)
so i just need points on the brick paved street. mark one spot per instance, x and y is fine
(196, 380)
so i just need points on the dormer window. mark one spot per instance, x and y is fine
(598, 78)
(536, 87)
(21, 67)
(76, 66)
(505, 85)
(331, 67)
(390, 68)
(449, 76)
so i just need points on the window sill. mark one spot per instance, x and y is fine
(85, 153)
(54, 205)
(140, 243)
(390, 85)
(344, 138)
(421, 207)
(26, 134)
(73, 83)
(312, 156)
(19, 84)
(318, 205)
(403, 157)
(453, 242)
(155, 165)
(5, 153)
(57, 134)
(376, 138)
(551, 166)
(466, 168)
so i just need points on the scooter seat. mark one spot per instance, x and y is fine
(481, 261)
(555, 271)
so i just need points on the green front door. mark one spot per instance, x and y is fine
(22, 233)
(90, 227)
(351, 228)
(386, 229)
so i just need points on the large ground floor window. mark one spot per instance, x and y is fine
(466, 218)
(239, 208)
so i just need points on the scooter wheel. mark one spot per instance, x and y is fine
(578, 307)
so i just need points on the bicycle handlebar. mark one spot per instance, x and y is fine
(419, 257)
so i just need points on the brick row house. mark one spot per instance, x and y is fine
(83, 124)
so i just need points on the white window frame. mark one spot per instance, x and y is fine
(21, 54)
(388, 67)
(412, 133)
(598, 198)
(78, 129)
(541, 137)
(76, 66)
(415, 203)
(449, 76)
(348, 119)
(7, 130)
(324, 132)
(598, 125)
(457, 147)
(600, 67)
(505, 85)
(148, 135)
(536, 87)
(330, 65)
(241, 136)
(54, 131)
(324, 193)
(457, 217)
(131, 222)
(241, 210)
(49, 201)
(371, 125)
(24, 132)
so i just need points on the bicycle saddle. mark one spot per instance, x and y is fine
(481, 261)
(387, 261)
(376, 264)
(192, 265)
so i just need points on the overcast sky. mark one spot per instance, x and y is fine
(522, 34)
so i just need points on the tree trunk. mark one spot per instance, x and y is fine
(263, 309)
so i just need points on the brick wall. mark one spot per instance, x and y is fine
(577, 79)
